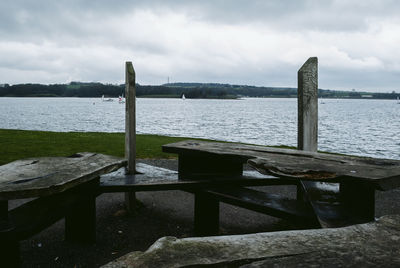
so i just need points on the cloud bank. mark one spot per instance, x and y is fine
(239, 42)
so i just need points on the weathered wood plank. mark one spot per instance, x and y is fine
(270, 204)
(372, 244)
(34, 216)
(151, 178)
(49, 175)
(383, 173)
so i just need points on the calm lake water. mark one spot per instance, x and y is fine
(359, 127)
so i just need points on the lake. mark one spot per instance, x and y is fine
(359, 127)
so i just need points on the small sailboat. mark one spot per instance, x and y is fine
(183, 97)
(106, 100)
(121, 99)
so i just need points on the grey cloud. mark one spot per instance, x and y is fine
(90, 40)
(329, 15)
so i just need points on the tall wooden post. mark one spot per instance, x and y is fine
(130, 129)
(307, 113)
(307, 101)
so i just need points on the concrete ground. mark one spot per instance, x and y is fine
(166, 213)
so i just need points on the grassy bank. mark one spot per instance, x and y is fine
(19, 144)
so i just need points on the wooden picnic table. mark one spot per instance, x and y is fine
(61, 187)
(351, 201)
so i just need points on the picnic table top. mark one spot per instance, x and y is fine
(384, 174)
(41, 176)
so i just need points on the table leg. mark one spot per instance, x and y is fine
(359, 200)
(9, 247)
(206, 214)
(4, 222)
(9, 253)
(80, 222)
(131, 202)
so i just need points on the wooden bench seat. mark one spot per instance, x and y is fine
(77, 206)
(271, 204)
(38, 214)
(209, 192)
(152, 178)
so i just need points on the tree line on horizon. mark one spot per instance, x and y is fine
(190, 90)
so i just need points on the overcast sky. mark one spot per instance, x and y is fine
(248, 42)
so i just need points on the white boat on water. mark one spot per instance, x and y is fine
(121, 99)
(106, 100)
(183, 97)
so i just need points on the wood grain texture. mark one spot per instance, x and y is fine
(372, 244)
(307, 106)
(152, 178)
(384, 174)
(36, 177)
(130, 117)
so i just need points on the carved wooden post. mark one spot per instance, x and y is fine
(307, 101)
(307, 112)
(130, 129)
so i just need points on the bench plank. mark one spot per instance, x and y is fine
(152, 178)
(36, 215)
(270, 204)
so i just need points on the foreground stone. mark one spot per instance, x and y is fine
(372, 244)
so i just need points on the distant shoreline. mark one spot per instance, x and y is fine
(208, 98)
(177, 90)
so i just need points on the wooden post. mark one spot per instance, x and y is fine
(307, 110)
(130, 118)
(130, 129)
(307, 101)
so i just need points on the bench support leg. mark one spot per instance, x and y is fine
(359, 200)
(300, 193)
(9, 248)
(131, 203)
(206, 214)
(9, 253)
(80, 222)
(4, 222)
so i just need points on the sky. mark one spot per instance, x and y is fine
(259, 42)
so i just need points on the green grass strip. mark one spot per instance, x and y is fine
(19, 144)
